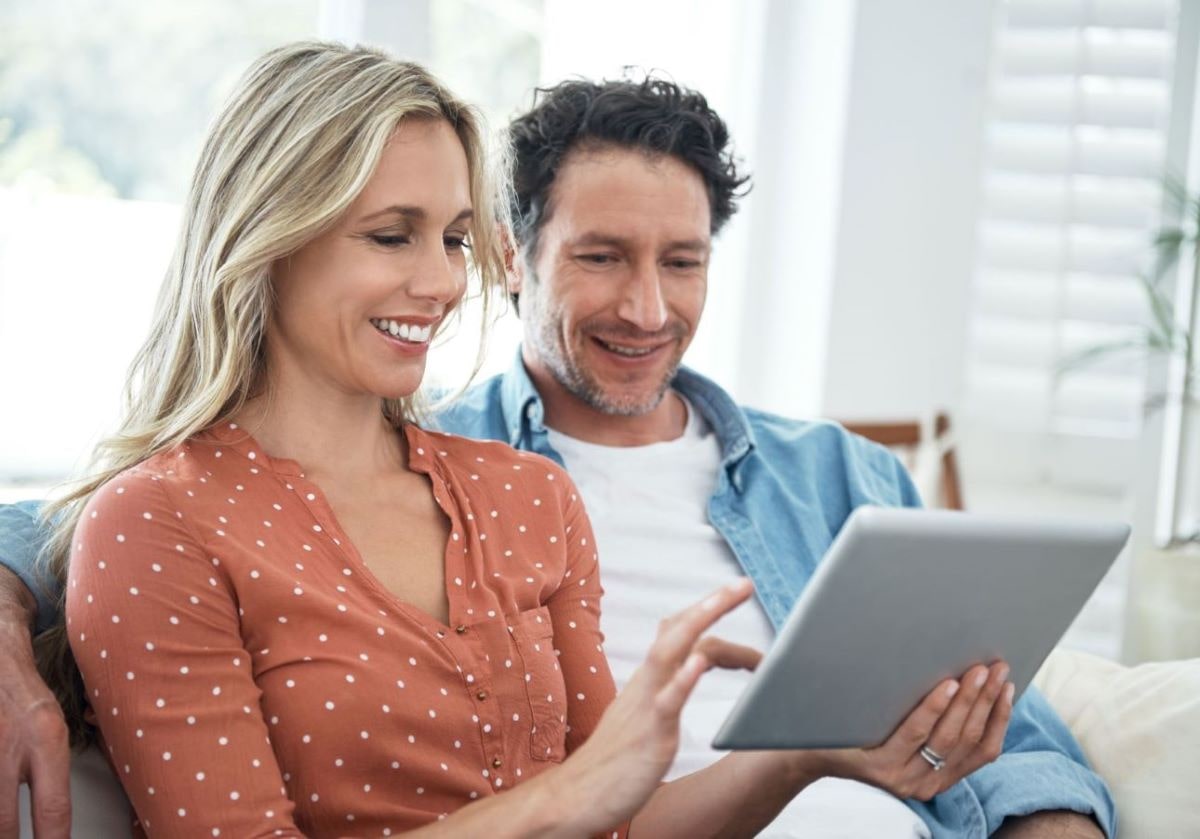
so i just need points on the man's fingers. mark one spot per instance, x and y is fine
(985, 703)
(992, 743)
(50, 782)
(916, 728)
(10, 787)
(727, 655)
(948, 731)
(679, 633)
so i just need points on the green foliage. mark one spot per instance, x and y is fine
(1166, 332)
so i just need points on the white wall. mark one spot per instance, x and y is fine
(909, 195)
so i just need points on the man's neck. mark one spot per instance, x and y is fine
(567, 414)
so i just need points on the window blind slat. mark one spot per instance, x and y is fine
(1129, 14)
(1124, 153)
(1055, 199)
(1092, 51)
(1128, 103)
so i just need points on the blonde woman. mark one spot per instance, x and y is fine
(296, 612)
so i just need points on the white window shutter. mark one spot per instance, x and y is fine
(1073, 161)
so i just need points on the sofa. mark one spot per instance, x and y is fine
(1139, 727)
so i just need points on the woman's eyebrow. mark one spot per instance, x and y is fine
(415, 213)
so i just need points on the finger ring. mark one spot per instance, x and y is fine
(933, 758)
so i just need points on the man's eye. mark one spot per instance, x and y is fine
(388, 241)
(597, 258)
(683, 264)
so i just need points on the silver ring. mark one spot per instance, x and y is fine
(933, 758)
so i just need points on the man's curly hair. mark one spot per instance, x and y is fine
(654, 115)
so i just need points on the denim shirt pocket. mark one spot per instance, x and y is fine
(544, 685)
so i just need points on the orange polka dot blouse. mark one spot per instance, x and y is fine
(250, 677)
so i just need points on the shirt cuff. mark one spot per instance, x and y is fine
(1022, 783)
(21, 539)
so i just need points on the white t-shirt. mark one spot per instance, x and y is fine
(658, 555)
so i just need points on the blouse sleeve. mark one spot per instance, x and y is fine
(575, 616)
(578, 641)
(153, 625)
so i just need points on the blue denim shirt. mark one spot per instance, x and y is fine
(784, 491)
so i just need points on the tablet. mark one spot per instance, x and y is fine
(905, 598)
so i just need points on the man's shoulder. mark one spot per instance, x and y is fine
(840, 461)
(810, 438)
(476, 412)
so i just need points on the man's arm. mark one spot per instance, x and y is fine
(22, 536)
(33, 735)
(1050, 825)
(1041, 782)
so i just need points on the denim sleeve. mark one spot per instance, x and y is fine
(22, 536)
(1042, 768)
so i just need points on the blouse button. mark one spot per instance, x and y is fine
(482, 695)
(497, 762)
(460, 629)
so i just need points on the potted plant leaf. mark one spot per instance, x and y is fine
(1163, 618)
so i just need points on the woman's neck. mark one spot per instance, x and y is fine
(327, 431)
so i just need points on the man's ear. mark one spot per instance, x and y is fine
(514, 268)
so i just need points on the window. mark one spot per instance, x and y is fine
(1075, 153)
(103, 107)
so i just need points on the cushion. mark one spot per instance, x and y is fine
(1140, 729)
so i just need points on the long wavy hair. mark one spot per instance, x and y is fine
(291, 150)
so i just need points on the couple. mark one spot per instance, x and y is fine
(297, 610)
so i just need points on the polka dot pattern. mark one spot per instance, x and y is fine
(242, 657)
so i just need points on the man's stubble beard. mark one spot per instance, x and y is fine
(551, 349)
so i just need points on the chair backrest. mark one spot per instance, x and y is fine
(916, 443)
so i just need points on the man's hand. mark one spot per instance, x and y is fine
(1052, 824)
(33, 735)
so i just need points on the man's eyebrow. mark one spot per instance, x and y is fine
(414, 213)
(607, 240)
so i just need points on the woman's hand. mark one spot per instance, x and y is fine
(612, 775)
(962, 722)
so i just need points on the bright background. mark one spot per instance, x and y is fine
(951, 198)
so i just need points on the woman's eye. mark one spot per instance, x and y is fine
(388, 241)
(456, 243)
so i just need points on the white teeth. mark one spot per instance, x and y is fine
(628, 351)
(411, 332)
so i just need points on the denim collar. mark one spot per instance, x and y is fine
(524, 412)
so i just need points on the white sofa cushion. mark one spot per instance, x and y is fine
(1140, 729)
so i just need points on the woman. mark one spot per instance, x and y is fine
(298, 613)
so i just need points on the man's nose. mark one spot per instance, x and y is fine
(642, 302)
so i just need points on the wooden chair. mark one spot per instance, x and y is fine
(908, 436)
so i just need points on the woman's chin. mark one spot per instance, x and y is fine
(397, 389)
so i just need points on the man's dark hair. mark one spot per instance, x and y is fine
(655, 115)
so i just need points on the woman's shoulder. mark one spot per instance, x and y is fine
(467, 450)
(156, 485)
(493, 460)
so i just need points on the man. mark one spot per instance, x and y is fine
(619, 188)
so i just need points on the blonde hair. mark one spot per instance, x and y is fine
(292, 149)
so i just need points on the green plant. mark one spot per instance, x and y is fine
(1167, 332)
